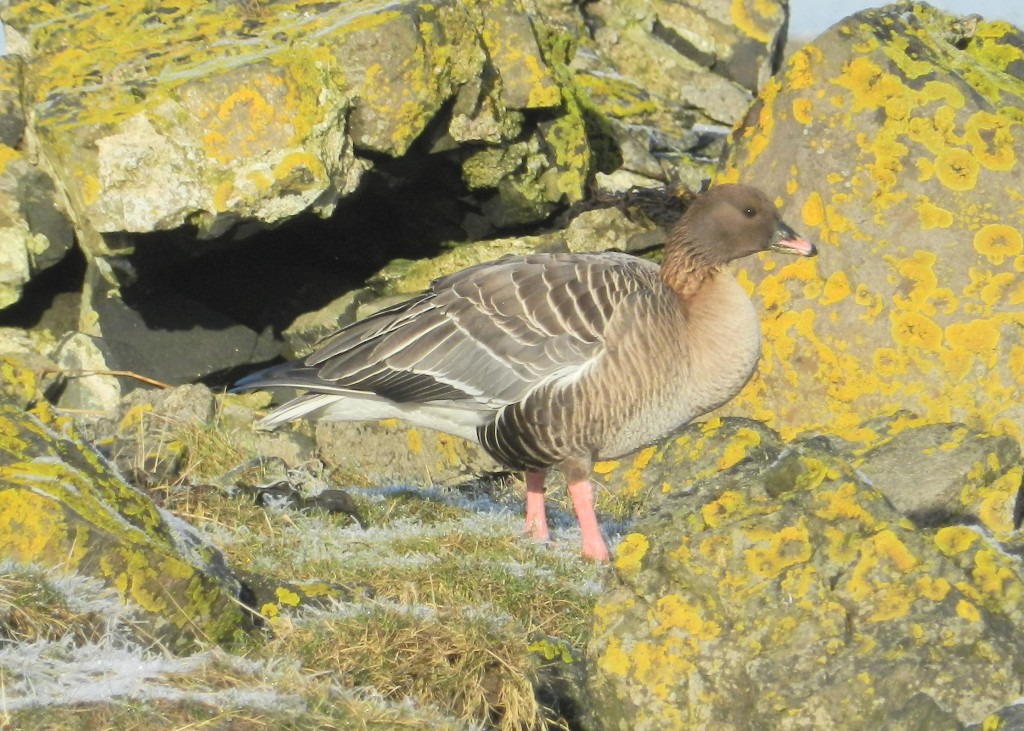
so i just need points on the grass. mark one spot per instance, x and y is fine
(446, 600)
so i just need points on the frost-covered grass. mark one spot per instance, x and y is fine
(448, 605)
(450, 596)
(68, 659)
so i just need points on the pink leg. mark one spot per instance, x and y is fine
(582, 494)
(536, 518)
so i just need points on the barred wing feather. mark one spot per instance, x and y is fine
(481, 338)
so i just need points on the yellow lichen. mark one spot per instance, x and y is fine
(954, 539)
(967, 611)
(813, 210)
(614, 659)
(721, 508)
(631, 552)
(755, 18)
(842, 503)
(29, 526)
(978, 337)
(991, 139)
(932, 216)
(997, 241)
(914, 330)
(673, 612)
(738, 448)
(890, 602)
(957, 169)
(886, 543)
(990, 577)
(414, 441)
(802, 111)
(932, 588)
(787, 547)
(837, 288)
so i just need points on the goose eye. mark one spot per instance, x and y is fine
(749, 212)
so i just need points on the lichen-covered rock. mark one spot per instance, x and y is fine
(707, 57)
(946, 473)
(393, 452)
(211, 113)
(589, 231)
(34, 233)
(144, 435)
(662, 70)
(896, 138)
(699, 451)
(794, 596)
(63, 505)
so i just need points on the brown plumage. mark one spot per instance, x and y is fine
(558, 360)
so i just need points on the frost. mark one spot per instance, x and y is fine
(59, 673)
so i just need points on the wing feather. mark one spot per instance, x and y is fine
(484, 337)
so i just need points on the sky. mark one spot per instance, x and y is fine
(808, 18)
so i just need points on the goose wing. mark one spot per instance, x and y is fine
(481, 338)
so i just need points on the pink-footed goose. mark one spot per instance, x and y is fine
(558, 360)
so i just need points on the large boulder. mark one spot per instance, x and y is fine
(212, 114)
(896, 139)
(63, 505)
(793, 595)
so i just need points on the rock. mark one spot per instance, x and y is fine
(793, 595)
(90, 385)
(187, 133)
(34, 233)
(699, 451)
(589, 231)
(946, 473)
(392, 452)
(896, 144)
(12, 116)
(22, 347)
(308, 329)
(63, 505)
(660, 70)
(164, 335)
(224, 123)
(143, 437)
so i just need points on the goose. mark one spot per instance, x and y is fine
(557, 360)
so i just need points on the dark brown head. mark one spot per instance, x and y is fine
(725, 223)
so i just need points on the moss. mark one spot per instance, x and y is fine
(62, 505)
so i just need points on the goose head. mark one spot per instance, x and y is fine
(725, 223)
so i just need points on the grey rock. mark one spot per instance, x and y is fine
(166, 336)
(91, 389)
(939, 474)
(144, 437)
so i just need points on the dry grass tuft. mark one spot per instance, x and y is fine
(468, 665)
(31, 609)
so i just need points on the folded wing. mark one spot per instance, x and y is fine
(479, 339)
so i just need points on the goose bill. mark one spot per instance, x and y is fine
(789, 241)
